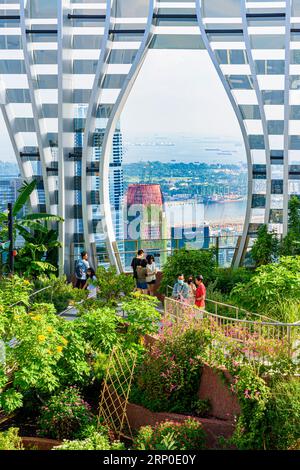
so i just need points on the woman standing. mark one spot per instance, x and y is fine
(151, 274)
(192, 290)
(141, 272)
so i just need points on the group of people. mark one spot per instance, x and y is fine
(193, 291)
(85, 275)
(144, 272)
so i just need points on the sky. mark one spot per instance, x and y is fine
(177, 92)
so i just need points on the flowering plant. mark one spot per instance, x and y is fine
(170, 435)
(65, 415)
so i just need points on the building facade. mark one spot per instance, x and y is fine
(68, 66)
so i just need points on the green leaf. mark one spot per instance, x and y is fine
(43, 216)
(25, 193)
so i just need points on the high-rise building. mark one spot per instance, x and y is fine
(9, 187)
(146, 219)
(57, 55)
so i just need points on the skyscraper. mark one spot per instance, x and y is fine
(56, 56)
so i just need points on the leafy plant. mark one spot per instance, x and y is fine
(10, 440)
(227, 278)
(189, 263)
(201, 407)
(265, 247)
(65, 415)
(170, 435)
(142, 316)
(291, 243)
(60, 293)
(98, 440)
(34, 257)
(112, 286)
(269, 285)
(168, 378)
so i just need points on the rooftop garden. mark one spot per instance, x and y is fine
(180, 366)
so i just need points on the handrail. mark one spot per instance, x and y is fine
(270, 321)
(31, 295)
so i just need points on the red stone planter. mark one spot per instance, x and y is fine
(139, 416)
(39, 443)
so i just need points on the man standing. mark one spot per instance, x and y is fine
(200, 293)
(81, 267)
(180, 289)
(137, 262)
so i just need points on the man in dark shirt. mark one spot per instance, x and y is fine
(136, 262)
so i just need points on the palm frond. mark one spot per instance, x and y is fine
(23, 197)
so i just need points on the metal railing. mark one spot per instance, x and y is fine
(258, 339)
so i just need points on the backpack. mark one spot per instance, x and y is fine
(79, 269)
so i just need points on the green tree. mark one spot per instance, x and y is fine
(265, 247)
(39, 252)
(291, 242)
(193, 262)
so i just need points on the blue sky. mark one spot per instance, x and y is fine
(176, 92)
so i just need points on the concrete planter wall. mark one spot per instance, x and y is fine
(39, 443)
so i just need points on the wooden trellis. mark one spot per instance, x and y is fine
(116, 390)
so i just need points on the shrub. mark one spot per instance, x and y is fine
(112, 286)
(283, 414)
(170, 435)
(97, 440)
(228, 278)
(10, 440)
(60, 293)
(142, 317)
(265, 247)
(168, 378)
(65, 415)
(192, 262)
(269, 285)
(98, 327)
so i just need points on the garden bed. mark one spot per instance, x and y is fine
(38, 443)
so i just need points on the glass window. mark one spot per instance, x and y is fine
(273, 97)
(259, 172)
(132, 8)
(240, 82)
(296, 8)
(260, 41)
(10, 42)
(277, 157)
(47, 81)
(81, 96)
(113, 81)
(85, 66)
(294, 112)
(221, 8)
(295, 82)
(295, 142)
(226, 37)
(294, 172)
(277, 187)
(250, 111)
(42, 9)
(276, 216)
(18, 96)
(295, 57)
(122, 56)
(256, 142)
(231, 56)
(50, 110)
(258, 200)
(12, 66)
(270, 67)
(275, 127)
(45, 57)
(87, 42)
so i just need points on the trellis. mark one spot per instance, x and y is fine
(116, 390)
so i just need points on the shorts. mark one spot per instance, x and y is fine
(141, 285)
(80, 283)
(152, 282)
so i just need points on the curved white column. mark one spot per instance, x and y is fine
(90, 124)
(110, 128)
(241, 124)
(41, 134)
(286, 116)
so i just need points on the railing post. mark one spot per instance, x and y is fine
(217, 249)
(289, 340)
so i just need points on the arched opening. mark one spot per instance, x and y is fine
(181, 178)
